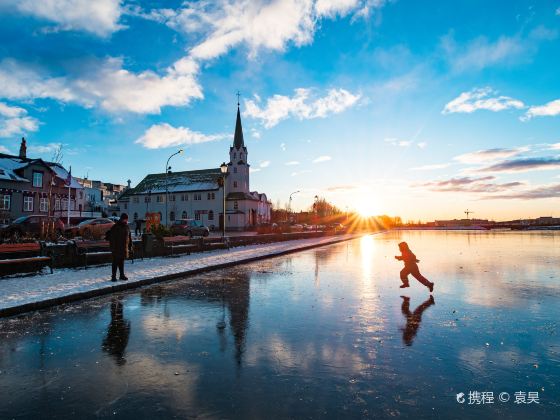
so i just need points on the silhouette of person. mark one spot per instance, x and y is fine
(118, 332)
(411, 267)
(413, 319)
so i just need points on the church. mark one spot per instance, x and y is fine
(199, 194)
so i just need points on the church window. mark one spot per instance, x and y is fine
(234, 170)
(235, 155)
(234, 184)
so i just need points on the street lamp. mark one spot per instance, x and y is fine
(316, 208)
(223, 169)
(167, 168)
(290, 204)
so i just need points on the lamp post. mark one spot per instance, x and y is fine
(316, 208)
(223, 169)
(167, 168)
(290, 205)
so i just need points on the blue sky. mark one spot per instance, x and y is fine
(418, 109)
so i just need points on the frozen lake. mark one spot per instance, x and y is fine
(323, 333)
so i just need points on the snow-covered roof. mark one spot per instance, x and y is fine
(175, 182)
(7, 167)
(62, 174)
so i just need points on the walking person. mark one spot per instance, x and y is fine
(137, 227)
(120, 241)
(411, 267)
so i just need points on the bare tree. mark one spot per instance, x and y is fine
(58, 154)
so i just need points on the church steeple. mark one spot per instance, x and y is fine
(238, 142)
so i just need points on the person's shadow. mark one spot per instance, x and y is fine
(413, 319)
(118, 332)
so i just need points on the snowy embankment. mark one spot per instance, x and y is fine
(21, 294)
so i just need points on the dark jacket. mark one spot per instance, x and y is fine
(120, 240)
(408, 258)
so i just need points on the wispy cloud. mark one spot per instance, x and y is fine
(303, 105)
(304, 171)
(256, 24)
(264, 164)
(431, 167)
(486, 155)
(99, 17)
(481, 98)
(14, 120)
(291, 163)
(545, 191)
(524, 165)
(43, 148)
(342, 188)
(251, 170)
(470, 185)
(482, 52)
(160, 136)
(405, 143)
(322, 159)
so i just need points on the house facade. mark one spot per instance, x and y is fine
(199, 194)
(34, 186)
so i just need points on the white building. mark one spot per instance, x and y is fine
(198, 194)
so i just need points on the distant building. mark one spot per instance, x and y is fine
(198, 194)
(34, 186)
(460, 222)
(101, 197)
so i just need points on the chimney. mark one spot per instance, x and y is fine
(23, 149)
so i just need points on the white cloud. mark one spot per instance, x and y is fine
(322, 159)
(4, 149)
(164, 135)
(257, 24)
(265, 164)
(488, 155)
(107, 85)
(547, 110)
(292, 163)
(558, 11)
(481, 98)
(422, 144)
(99, 17)
(42, 149)
(334, 7)
(555, 146)
(397, 142)
(305, 171)
(251, 170)
(301, 106)
(14, 120)
(255, 133)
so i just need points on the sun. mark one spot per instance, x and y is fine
(367, 207)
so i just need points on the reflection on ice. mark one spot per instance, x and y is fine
(322, 333)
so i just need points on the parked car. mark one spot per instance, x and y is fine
(337, 227)
(91, 229)
(32, 226)
(297, 228)
(189, 227)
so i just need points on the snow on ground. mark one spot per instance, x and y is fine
(18, 291)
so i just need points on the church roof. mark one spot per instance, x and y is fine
(185, 181)
(238, 142)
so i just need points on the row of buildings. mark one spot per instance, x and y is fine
(199, 194)
(30, 186)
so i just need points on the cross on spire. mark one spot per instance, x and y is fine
(238, 94)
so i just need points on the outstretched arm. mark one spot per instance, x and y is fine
(398, 257)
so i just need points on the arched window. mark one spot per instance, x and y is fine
(234, 184)
(234, 155)
(184, 215)
(135, 216)
(211, 215)
(235, 170)
(172, 216)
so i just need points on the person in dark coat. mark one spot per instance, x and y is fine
(138, 227)
(118, 332)
(120, 241)
(411, 267)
